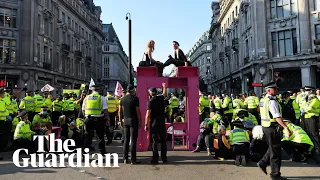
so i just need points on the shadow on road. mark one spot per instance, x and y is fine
(303, 177)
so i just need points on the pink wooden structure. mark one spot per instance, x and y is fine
(188, 79)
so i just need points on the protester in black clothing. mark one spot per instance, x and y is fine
(129, 110)
(80, 102)
(179, 58)
(155, 114)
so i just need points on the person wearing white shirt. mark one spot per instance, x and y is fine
(270, 120)
(179, 58)
(318, 93)
(95, 121)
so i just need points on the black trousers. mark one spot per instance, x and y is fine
(256, 114)
(55, 117)
(292, 147)
(227, 120)
(30, 116)
(206, 139)
(110, 129)
(273, 155)
(241, 149)
(130, 134)
(159, 131)
(97, 124)
(176, 62)
(3, 132)
(312, 129)
(23, 143)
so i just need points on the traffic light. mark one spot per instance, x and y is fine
(317, 44)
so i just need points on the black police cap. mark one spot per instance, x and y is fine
(285, 94)
(37, 91)
(176, 42)
(23, 113)
(1, 90)
(29, 92)
(130, 87)
(271, 85)
(153, 90)
(96, 86)
(124, 91)
(309, 88)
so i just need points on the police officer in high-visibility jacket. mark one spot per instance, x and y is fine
(204, 106)
(301, 100)
(23, 134)
(237, 103)
(28, 104)
(57, 110)
(311, 119)
(290, 107)
(252, 103)
(112, 103)
(39, 102)
(43, 117)
(299, 143)
(47, 101)
(174, 105)
(270, 111)
(218, 103)
(240, 142)
(96, 118)
(3, 117)
(228, 109)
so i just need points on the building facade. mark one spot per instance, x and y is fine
(262, 41)
(56, 42)
(114, 59)
(200, 56)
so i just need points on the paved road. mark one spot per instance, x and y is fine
(183, 165)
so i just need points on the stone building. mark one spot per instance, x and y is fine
(200, 55)
(56, 42)
(264, 40)
(114, 59)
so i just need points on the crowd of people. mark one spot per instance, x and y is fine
(243, 127)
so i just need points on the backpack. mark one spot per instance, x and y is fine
(288, 110)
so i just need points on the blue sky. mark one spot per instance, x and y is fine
(160, 20)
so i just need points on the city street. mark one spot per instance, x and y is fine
(183, 165)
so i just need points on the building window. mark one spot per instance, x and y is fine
(282, 8)
(106, 48)
(106, 60)
(7, 51)
(236, 10)
(63, 18)
(46, 27)
(208, 48)
(316, 5)
(69, 22)
(208, 59)
(105, 29)
(106, 72)
(284, 43)
(45, 54)
(318, 31)
(208, 70)
(8, 18)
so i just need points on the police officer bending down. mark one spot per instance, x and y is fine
(96, 118)
(270, 120)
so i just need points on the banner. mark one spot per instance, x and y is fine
(91, 84)
(68, 91)
(118, 90)
(47, 87)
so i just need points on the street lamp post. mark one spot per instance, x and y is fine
(128, 17)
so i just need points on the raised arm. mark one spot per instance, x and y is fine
(164, 86)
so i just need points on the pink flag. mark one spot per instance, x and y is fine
(200, 93)
(118, 90)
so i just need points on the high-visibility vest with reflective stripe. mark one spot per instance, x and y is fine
(3, 111)
(266, 120)
(14, 105)
(239, 136)
(227, 103)
(174, 102)
(204, 102)
(38, 103)
(112, 104)
(237, 103)
(42, 121)
(57, 105)
(217, 103)
(48, 103)
(70, 104)
(93, 105)
(27, 104)
(298, 136)
(295, 107)
(302, 100)
(23, 131)
(312, 107)
(252, 102)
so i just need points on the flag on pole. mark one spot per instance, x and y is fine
(47, 87)
(91, 84)
(118, 90)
